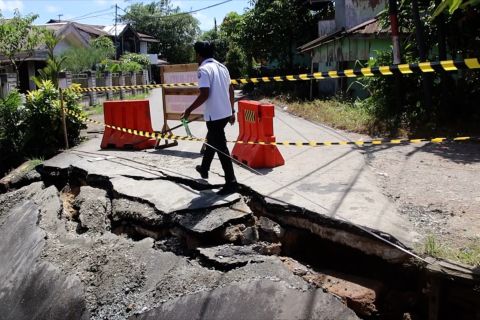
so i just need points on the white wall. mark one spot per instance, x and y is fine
(143, 47)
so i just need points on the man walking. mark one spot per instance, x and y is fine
(216, 92)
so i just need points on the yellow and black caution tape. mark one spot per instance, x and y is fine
(422, 67)
(359, 143)
(146, 134)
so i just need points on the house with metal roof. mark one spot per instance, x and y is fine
(352, 37)
(77, 35)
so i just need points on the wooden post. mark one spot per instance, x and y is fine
(64, 122)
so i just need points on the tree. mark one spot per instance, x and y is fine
(105, 45)
(273, 29)
(454, 5)
(54, 63)
(230, 27)
(84, 59)
(175, 30)
(235, 62)
(18, 39)
(220, 44)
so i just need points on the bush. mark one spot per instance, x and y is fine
(140, 59)
(11, 119)
(43, 135)
(235, 62)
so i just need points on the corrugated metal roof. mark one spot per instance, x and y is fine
(111, 29)
(369, 27)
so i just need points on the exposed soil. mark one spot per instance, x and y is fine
(437, 186)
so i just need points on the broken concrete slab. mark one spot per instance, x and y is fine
(108, 167)
(230, 256)
(269, 230)
(94, 207)
(127, 210)
(249, 235)
(210, 221)
(10, 199)
(261, 299)
(169, 196)
(24, 175)
(31, 288)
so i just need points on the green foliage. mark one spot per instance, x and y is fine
(454, 5)
(140, 59)
(84, 59)
(11, 118)
(43, 124)
(109, 65)
(54, 63)
(18, 35)
(272, 30)
(35, 130)
(130, 66)
(468, 254)
(235, 62)
(230, 27)
(105, 45)
(338, 114)
(162, 21)
(220, 44)
(400, 104)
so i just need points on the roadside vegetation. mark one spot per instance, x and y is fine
(343, 115)
(468, 254)
(98, 108)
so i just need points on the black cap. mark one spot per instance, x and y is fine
(204, 49)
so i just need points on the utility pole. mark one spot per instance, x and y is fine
(397, 59)
(393, 13)
(116, 40)
(59, 16)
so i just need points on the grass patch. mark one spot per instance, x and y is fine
(35, 162)
(338, 114)
(468, 254)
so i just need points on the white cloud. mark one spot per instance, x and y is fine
(10, 5)
(206, 22)
(52, 9)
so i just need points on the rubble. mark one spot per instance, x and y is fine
(155, 260)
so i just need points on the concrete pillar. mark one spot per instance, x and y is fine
(121, 81)
(8, 82)
(31, 73)
(92, 83)
(133, 81)
(145, 79)
(108, 83)
(64, 79)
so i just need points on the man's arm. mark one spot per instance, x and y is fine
(232, 103)
(202, 97)
(232, 98)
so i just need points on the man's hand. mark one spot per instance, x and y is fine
(186, 114)
(232, 119)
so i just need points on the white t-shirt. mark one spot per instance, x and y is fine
(214, 75)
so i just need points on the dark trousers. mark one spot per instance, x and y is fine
(216, 138)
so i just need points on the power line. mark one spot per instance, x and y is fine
(91, 13)
(100, 15)
(187, 12)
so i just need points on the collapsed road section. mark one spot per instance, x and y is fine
(77, 245)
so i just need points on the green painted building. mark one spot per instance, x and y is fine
(349, 41)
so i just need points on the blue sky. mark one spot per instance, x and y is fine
(102, 12)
